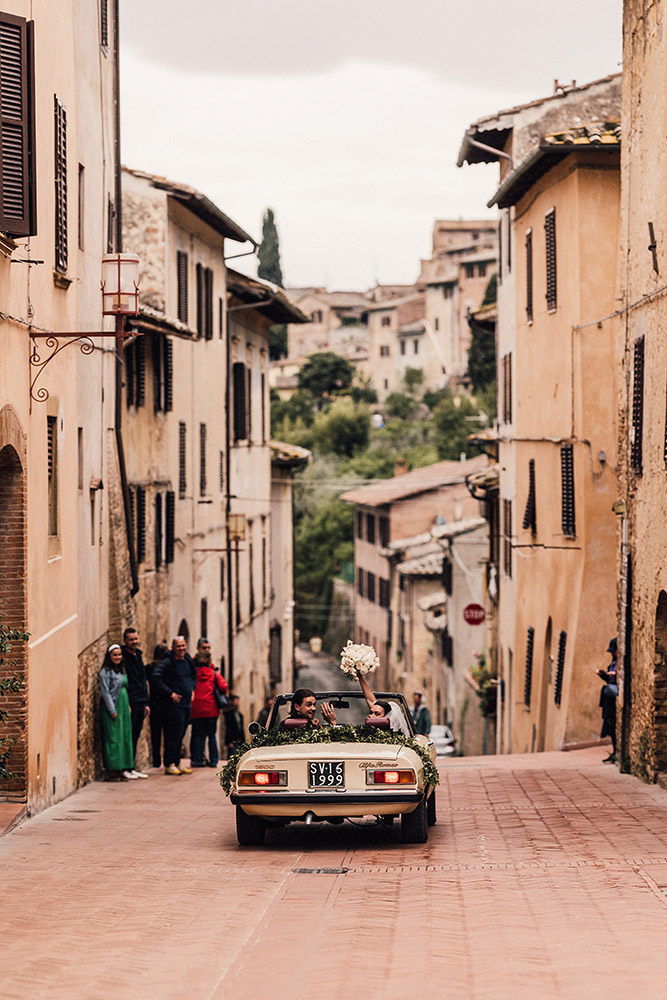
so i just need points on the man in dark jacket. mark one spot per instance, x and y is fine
(175, 677)
(137, 688)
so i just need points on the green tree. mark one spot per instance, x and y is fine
(270, 270)
(453, 420)
(413, 378)
(343, 430)
(491, 291)
(323, 539)
(326, 373)
(399, 405)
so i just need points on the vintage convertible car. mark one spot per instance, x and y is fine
(360, 767)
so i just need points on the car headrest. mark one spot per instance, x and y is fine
(378, 721)
(290, 723)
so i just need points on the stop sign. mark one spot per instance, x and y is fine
(474, 614)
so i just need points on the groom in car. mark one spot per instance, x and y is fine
(304, 706)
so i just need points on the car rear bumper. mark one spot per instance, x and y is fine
(271, 805)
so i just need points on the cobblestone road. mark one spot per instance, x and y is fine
(545, 877)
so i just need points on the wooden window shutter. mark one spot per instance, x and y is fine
(18, 215)
(61, 185)
(251, 571)
(550, 256)
(222, 579)
(104, 23)
(370, 586)
(170, 532)
(263, 400)
(500, 250)
(509, 244)
(182, 280)
(133, 510)
(199, 273)
(529, 276)
(528, 680)
(558, 687)
(360, 525)
(52, 472)
(140, 370)
(168, 355)
(141, 524)
(384, 593)
(111, 224)
(530, 515)
(157, 342)
(182, 477)
(360, 582)
(158, 530)
(567, 489)
(507, 388)
(370, 529)
(128, 355)
(637, 428)
(239, 385)
(208, 326)
(221, 321)
(202, 460)
(249, 404)
(203, 617)
(507, 537)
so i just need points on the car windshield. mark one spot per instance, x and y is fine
(351, 708)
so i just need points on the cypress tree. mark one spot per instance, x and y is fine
(269, 269)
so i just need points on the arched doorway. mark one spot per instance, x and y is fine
(184, 630)
(13, 613)
(660, 684)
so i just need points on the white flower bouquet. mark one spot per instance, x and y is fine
(358, 659)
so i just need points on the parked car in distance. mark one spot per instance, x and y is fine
(444, 741)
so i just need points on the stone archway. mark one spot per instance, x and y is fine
(660, 685)
(13, 603)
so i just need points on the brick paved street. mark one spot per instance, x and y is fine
(546, 876)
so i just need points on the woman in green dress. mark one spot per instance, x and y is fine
(115, 719)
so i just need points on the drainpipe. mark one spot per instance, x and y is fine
(119, 340)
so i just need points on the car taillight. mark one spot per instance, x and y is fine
(262, 778)
(406, 777)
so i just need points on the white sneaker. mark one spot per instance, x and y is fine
(138, 774)
(130, 775)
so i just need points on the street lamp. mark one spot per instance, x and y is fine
(120, 285)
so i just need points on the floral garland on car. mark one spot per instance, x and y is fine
(328, 734)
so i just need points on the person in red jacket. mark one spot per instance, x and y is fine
(205, 711)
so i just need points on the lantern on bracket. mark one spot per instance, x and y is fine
(120, 284)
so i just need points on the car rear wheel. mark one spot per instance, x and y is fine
(250, 830)
(414, 826)
(431, 817)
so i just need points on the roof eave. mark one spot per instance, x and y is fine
(536, 166)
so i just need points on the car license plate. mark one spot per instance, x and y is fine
(326, 774)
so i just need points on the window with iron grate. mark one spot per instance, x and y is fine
(530, 514)
(182, 477)
(550, 257)
(528, 680)
(558, 687)
(637, 427)
(529, 276)
(568, 521)
(60, 169)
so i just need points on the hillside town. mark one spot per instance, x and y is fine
(217, 472)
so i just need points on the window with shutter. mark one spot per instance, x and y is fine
(141, 524)
(237, 586)
(249, 403)
(222, 579)
(360, 525)
(133, 513)
(529, 276)
(170, 532)
(182, 284)
(370, 586)
(18, 216)
(550, 253)
(82, 203)
(447, 577)
(264, 563)
(567, 489)
(199, 274)
(61, 185)
(507, 537)
(558, 687)
(168, 358)
(500, 250)
(530, 515)
(222, 472)
(158, 530)
(140, 370)
(104, 23)
(509, 244)
(130, 380)
(637, 428)
(384, 593)
(111, 224)
(263, 399)
(507, 388)
(203, 617)
(208, 310)
(360, 582)
(384, 531)
(221, 319)
(240, 410)
(202, 460)
(52, 473)
(528, 680)
(251, 571)
(370, 528)
(182, 479)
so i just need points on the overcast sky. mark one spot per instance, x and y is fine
(345, 117)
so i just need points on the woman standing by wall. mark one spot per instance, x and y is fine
(115, 719)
